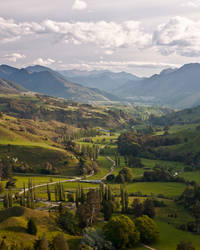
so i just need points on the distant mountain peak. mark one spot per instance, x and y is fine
(168, 71)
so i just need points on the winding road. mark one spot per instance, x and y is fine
(76, 179)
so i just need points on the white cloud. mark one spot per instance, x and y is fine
(14, 57)
(79, 5)
(44, 62)
(108, 35)
(11, 31)
(179, 35)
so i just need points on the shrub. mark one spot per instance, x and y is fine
(121, 231)
(147, 228)
(95, 239)
(59, 243)
(185, 246)
(31, 227)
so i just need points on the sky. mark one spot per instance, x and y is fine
(142, 37)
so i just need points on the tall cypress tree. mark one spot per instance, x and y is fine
(126, 201)
(122, 200)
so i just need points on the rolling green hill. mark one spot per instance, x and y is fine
(32, 142)
(185, 116)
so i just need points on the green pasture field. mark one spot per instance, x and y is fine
(148, 163)
(137, 172)
(36, 180)
(191, 176)
(170, 237)
(168, 189)
(178, 128)
(180, 215)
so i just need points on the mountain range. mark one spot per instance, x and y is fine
(176, 88)
(46, 81)
(103, 79)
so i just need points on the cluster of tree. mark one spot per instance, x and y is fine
(5, 168)
(95, 239)
(130, 143)
(108, 202)
(8, 200)
(160, 140)
(190, 200)
(159, 173)
(133, 162)
(125, 175)
(87, 157)
(90, 204)
(190, 196)
(28, 198)
(185, 245)
(91, 152)
(22, 167)
(117, 160)
(81, 133)
(49, 169)
(68, 221)
(119, 232)
(125, 233)
(87, 166)
(89, 209)
(139, 208)
(59, 192)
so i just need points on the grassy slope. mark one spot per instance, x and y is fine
(34, 149)
(13, 223)
(169, 189)
(170, 237)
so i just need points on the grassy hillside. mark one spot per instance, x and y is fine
(13, 224)
(46, 108)
(9, 87)
(32, 142)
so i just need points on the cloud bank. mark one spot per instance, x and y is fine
(109, 35)
(118, 65)
(179, 35)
